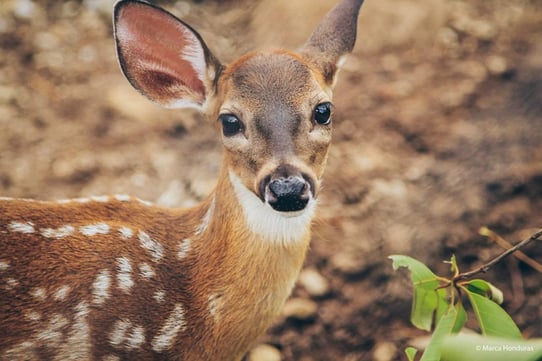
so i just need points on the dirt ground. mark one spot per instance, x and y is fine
(437, 132)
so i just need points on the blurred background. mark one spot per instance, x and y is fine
(437, 132)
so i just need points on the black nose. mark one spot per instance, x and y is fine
(288, 194)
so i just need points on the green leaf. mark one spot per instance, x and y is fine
(424, 305)
(442, 305)
(486, 289)
(460, 319)
(420, 273)
(427, 298)
(445, 327)
(493, 320)
(411, 353)
(482, 348)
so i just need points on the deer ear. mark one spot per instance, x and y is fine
(334, 38)
(162, 57)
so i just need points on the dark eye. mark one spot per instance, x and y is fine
(322, 113)
(231, 125)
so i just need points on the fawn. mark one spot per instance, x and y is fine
(115, 278)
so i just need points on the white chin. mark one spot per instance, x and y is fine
(266, 222)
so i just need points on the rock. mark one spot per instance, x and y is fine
(482, 30)
(348, 264)
(384, 351)
(315, 284)
(24, 9)
(300, 309)
(448, 37)
(264, 352)
(496, 65)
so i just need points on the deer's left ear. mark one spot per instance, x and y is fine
(162, 57)
(333, 39)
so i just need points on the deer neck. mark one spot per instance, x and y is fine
(250, 240)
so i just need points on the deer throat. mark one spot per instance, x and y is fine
(272, 226)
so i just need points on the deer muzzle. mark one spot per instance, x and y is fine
(287, 190)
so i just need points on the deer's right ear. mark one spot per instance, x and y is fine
(162, 57)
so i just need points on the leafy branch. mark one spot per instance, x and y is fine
(437, 304)
(485, 267)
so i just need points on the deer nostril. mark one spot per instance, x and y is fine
(284, 187)
(288, 194)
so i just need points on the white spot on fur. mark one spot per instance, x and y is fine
(261, 219)
(38, 293)
(145, 203)
(126, 233)
(11, 283)
(118, 334)
(136, 338)
(124, 333)
(215, 302)
(60, 232)
(124, 275)
(184, 247)
(167, 334)
(61, 293)
(123, 197)
(78, 345)
(101, 199)
(19, 227)
(94, 229)
(206, 219)
(80, 200)
(33, 316)
(26, 348)
(159, 296)
(146, 271)
(53, 336)
(4, 265)
(155, 249)
(100, 287)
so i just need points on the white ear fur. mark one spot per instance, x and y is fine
(162, 57)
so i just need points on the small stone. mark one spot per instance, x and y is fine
(264, 352)
(384, 351)
(24, 9)
(448, 37)
(496, 65)
(300, 309)
(348, 264)
(315, 284)
(483, 30)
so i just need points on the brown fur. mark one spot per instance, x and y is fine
(113, 278)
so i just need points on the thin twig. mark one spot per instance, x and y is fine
(506, 245)
(485, 267)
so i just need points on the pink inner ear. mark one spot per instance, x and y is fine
(163, 58)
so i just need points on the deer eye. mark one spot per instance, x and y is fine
(322, 113)
(231, 125)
